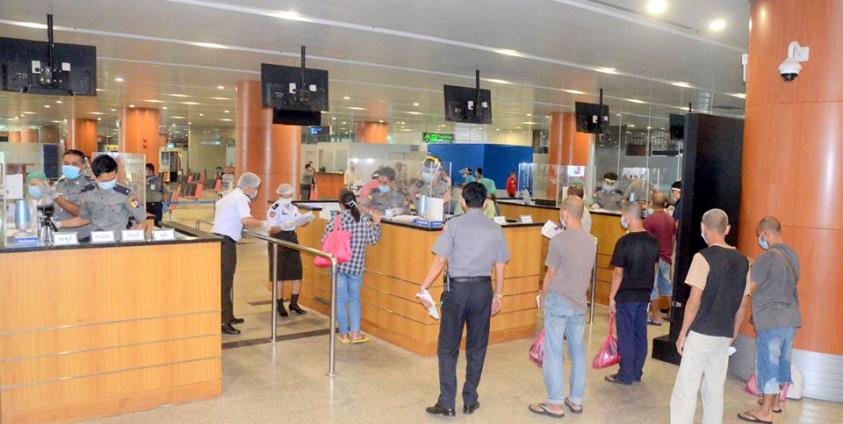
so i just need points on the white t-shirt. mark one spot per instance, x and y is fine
(280, 216)
(230, 211)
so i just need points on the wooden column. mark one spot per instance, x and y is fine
(793, 154)
(273, 152)
(28, 135)
(139, 133)
(50, 134)
(565, 145)
(14, 136)
(372, 132)
(82, 135)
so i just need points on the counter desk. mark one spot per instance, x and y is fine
(396, 267)
(605, 225)
(94, 330)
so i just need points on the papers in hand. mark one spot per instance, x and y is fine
(550, 229)
(732, 350)
(302, 220)
(427, 300)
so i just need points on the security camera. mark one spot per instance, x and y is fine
(790, 68)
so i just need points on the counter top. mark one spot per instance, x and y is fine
(184, 235)
(519, 202)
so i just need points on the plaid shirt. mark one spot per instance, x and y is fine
(363, 233)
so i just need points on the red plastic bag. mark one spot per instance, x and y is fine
(608, 354)
(337, 243)
(537, 350)
(753, 389)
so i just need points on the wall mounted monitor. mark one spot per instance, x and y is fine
(296, 117)
(24, 68)
(293, 88)
(468, 105)
(677, 126)
(589, 117)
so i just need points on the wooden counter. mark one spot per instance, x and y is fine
(396, 267)
(92, 331)
(605, 226)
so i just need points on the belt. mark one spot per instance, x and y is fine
(225, 237)
(481, 279)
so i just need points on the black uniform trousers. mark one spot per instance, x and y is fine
(157, 210)
(229, 265)
(467, 303)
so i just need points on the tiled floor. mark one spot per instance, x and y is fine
(380, 383)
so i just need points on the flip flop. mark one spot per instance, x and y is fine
(573, 407)
(651, 321)
(359, 340)
(542, 410)
(344, 340)
(775, 411)
(744, 416)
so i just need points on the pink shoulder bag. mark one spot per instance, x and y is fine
(337, 243)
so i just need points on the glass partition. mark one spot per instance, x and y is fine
(403, 187)
(2, 200)
(548, 184)
(131, 172)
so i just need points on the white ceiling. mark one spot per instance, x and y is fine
(386, 55)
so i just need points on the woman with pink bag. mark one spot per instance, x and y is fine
(364, 232)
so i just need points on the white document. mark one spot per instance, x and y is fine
(427, 300)
(437, 209)
(14, 187)
(303, 219)
(500, 220)
(526, 219)
(732, 350)
(550, 229)
(325, 213)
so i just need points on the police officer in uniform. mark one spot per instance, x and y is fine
(432, 182)
(386, 196)
(156, 193)
(470, 245)
(67, 191)
(106, 205)
(608, 196)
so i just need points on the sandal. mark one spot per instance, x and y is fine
(746, 416)
(775, 410)
(344, 339)
(542, 409)
(359, 340)
(573, 407)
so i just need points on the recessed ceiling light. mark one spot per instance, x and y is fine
(415, 103)
(717, 24)
(28, 112)
(617, 114)
(630, 125)
(189, 123)
(118, 79)
(226, 111)
(178, 117)
(606, 70)
(346, 98)
(131, 106)
(334, 118)
(380, 120)
(343, 122)
(682, 84)
(59, 101)
(165, 108)
(649, 127)
(529, 114)
(497, 129)
(99, 89)
(656, 7)
(517, 128)
(220, 87)
(413, 113)
(509, 52)
(99, 119)
(46, 106)
(114, 110)
(201, 114)
(97, 113)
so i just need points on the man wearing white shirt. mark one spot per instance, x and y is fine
(232, 214)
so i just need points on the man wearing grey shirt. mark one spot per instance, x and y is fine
(775, 314)
(570, 260)
(470, 245)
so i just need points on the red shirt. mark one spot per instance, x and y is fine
(367, 189)
(661, 225)
(511, 185)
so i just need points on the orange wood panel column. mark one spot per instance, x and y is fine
(565, 145)
(271, 151)
(139, 133)
(372, 132)
(50, 134)
(29, 135)
(793, 154)
(14, 136)
(82, 135)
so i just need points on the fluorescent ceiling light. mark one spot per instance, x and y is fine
(717, 25)
(97, 113)
(28, 113)
(154, 101)
(682, 84)
(99, 89)
(59, 101)
(346, 98)
(574, 91)
(46, 106)
(226, 119)
(738, 95)
(412, 112)
(291, 15)
(190, 103)
(220, 87)
(656, 7)
(118, 79)
(209, 45)
(509, 52)
(529, 123)
(640, 102)
(496, 81)
(355, 108)
(177, 117)
(415, 103)
(606, 70)
(176, 95)
(222, 98)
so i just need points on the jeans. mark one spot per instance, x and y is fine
(348, 302)
(632, 340)
(662, 287)
(772, 358)
(563, 320)
(703, 368)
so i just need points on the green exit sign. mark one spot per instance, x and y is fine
(438, 137)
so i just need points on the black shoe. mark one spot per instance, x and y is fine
(228, 329)
(281, 311)
(237, 320)
(615, 379)
(297, 309)
(469, 409)
(439, 410)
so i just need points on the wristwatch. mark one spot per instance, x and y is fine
(500, 296)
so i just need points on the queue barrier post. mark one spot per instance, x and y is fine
(593, 285)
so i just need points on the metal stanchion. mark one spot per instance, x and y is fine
(593, 285)
(273, 273)
(332, 333)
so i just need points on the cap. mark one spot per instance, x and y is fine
(35, 175)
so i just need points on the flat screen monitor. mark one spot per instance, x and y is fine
(22, 63)
(677, 126)
(296, 117)
(589, 116)
(461, 105)
(282, 88)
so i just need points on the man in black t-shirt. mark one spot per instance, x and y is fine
(635, 259)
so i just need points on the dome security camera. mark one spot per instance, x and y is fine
(790, 68)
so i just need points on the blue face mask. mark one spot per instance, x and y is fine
(107, 185)
(763, 243)
(624, 224)
(71, 172)
(383, 188)
(35, 192)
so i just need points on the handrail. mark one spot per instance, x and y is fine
(316, 252)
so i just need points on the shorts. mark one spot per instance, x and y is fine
(772, 358)
(662, 287)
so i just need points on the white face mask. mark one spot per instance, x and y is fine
(285, 202)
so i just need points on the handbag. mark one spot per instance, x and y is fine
(337, 243)
(537, 350)
(608, 354)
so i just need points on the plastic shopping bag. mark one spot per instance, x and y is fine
(752, 388)
(537, 350)
(608, 354)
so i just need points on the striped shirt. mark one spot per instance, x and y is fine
(363, 233)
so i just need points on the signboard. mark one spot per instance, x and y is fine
(438, 137)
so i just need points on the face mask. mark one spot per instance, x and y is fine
(763, 243)
(702, 233)
(427, 177)
(609, 188)
(562, 223)
(253, 194)
(624, 224)
(383, 188)
(107, 185)
(35, 192)
(285, 202)
(71, 172)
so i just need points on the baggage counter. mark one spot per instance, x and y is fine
(96, 330)
(396, 267)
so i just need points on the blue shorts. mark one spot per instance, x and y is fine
(662, 287)
(772, 358)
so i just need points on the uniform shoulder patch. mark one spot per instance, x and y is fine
(89, 187)
(275, 206)
(122, 189)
